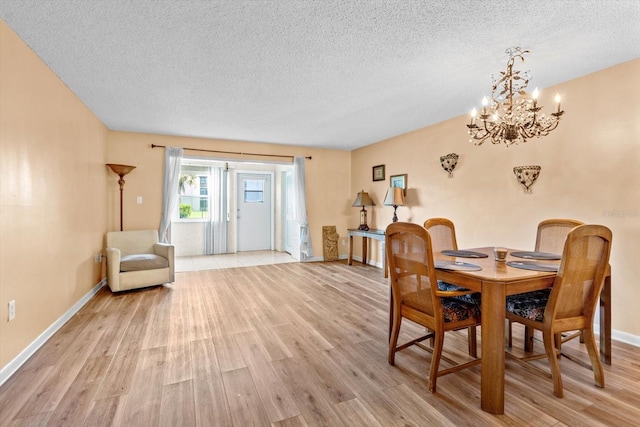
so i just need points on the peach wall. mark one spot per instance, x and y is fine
(328, 175)
(52, 196)
(590, 171)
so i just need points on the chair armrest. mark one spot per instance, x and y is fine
(166, 250)
(454, 293)
(113, 268)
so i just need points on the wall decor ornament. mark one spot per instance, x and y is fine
(449, 163)
(378, 173)
(526, 176)
(399, 181)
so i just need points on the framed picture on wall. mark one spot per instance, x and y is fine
(378, 173)
(399, 181)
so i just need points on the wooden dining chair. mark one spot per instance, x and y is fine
(552, 234)
(571, 303)
(550, 237)
(443, 237)
(443, 234)
(415, 296)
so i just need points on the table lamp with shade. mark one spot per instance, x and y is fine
(395, 198)
(362, 200)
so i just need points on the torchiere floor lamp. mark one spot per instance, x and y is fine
(121, 170)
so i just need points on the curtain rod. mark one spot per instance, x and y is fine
(231, 152)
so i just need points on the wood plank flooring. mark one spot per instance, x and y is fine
(298, 344)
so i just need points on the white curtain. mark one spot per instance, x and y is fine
(172, 160)
(300, 207)
(219, 211)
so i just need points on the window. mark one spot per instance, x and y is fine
(194, 192)
(253, 191)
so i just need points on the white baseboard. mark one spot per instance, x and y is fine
(369, 262)
(25, 354)
(621, 336)
(312, 259)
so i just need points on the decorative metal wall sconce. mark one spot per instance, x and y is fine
(449, 163)
(526, 176)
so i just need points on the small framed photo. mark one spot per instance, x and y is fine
(378, 173)
(399, 181)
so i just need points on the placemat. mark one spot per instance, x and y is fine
(532, 265)
(451, 265)
(536, 255)
(464, 254)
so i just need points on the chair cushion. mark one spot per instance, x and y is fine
(137, 262)
(529, 305)
(455, 310)
(473, 298)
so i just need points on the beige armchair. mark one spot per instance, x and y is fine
(135, 260)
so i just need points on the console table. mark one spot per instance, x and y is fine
(367, 234)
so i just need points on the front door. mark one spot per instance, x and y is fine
(254, 212)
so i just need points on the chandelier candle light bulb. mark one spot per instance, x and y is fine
(534, 96)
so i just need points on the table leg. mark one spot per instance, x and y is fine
(364, 250)
(493, 336)
(605, 321)
(350, 260)
(384, 260)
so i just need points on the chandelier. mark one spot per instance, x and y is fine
(511, 116)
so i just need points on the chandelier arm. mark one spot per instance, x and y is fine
(524, 134)
(551, 126)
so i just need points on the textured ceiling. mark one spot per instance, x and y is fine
(322, 73)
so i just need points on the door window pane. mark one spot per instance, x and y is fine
(253, 191)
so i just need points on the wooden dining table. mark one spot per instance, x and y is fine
(495, 281)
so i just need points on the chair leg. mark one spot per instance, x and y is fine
(549, 347)
(393, 339)
(473, 342)
(558, 343)
(435, 361)
(528, 338)
(592, 349)
(509, 333)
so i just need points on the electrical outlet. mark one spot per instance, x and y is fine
(98, 258)
(12, 309)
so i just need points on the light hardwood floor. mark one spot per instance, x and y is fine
(284, 345)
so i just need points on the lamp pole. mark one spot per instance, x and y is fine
(121, 171)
